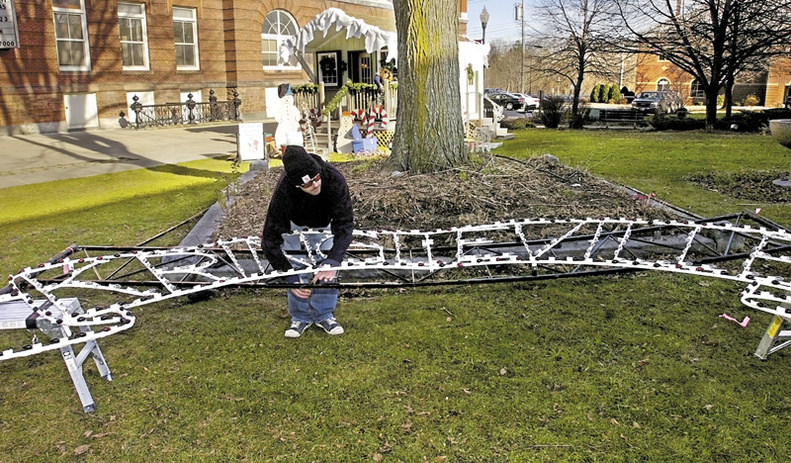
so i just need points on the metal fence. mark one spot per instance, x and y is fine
(188, 112)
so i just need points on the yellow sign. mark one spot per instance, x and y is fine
(777, 322)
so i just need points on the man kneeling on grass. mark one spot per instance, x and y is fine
(309, 194)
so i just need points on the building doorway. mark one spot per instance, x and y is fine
(361, 67)
(82, 111)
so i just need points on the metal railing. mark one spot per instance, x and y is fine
(188, 112)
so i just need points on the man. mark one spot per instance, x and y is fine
(309, 194)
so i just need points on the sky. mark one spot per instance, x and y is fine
(502, 25)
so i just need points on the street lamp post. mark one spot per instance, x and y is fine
(520, 16)
(484, 22)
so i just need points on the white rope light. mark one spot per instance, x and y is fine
(414, 255)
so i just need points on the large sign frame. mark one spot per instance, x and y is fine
(9, 28)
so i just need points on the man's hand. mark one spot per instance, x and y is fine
(302, 293)
(325, 276)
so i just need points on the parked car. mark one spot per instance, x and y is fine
(658, 101)
(531, 102)
(509, 101)
(488, 91)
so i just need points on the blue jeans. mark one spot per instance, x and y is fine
(317, 308)
(322, 301)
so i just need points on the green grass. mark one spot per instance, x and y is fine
(527, 372)
(657, 162)
(612, 369)
(37, 221)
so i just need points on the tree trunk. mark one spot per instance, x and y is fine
(577, 119)
(711, 107)
(729, 83)
(429, 132)
(712, 89)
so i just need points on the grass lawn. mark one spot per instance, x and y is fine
(657, 162)
(37, 221)
(624, 368)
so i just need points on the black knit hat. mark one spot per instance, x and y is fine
(299, 165)
(283, 90)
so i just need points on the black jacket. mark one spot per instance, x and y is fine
(333, 205)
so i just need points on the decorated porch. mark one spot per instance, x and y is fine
(354, 82)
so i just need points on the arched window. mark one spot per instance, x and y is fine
(278, 26)
(663, 84)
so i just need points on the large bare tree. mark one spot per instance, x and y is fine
(573, 36)
(430, 132)
(712, 40)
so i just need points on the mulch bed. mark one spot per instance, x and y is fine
(497, 189)
(751, 186)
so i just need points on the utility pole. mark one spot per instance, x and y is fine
(520, 16)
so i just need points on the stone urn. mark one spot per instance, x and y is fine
(781, 131)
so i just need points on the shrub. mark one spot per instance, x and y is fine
(595, 93)
(604, 96)
(674, 122)
(615, 94)
(751, 121)
(552, 111)
(751, 100)
(516, 123)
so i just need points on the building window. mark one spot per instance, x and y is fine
(663, 85)
(134, 42)
(696, 90)
(185, 30)
(328, 68)
(71, 35)
(278, 27)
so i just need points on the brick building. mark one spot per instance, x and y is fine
(79, 63)
(778, 83)
(654, 73)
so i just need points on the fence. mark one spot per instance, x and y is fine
(188, 112)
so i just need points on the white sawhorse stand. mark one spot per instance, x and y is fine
(774, 339)
(17, 315)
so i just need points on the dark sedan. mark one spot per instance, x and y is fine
(509, 101)
(659, 102)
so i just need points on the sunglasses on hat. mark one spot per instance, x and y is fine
(310, 182)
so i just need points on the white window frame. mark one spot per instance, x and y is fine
(330, 80)
(192, 21)
(696, 89)
(80, 13)
(125, 13)
(279, 36)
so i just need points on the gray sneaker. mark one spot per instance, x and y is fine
(331, 326)
(296, 329)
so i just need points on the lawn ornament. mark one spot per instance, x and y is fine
(343, 144)
(288, 131)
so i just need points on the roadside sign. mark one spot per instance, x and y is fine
(251, 141)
